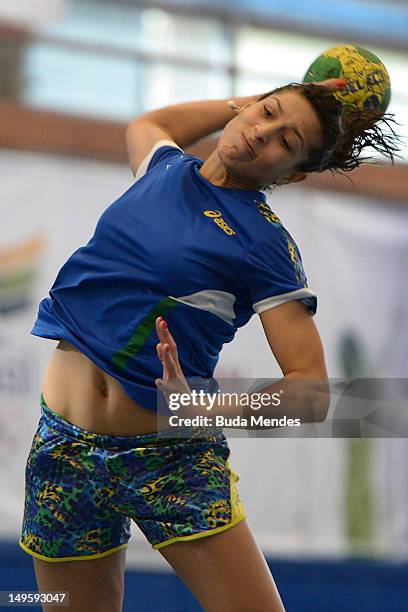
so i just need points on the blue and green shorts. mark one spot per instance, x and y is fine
(83, 489)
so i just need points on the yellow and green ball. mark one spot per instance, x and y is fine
(368, 82)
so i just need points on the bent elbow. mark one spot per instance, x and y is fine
(320, 400)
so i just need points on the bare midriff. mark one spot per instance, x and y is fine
(82, 393)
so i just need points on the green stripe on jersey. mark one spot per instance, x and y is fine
(142, 333)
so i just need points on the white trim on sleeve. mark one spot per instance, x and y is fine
(146, 161)
(277, 300)
(219, 303)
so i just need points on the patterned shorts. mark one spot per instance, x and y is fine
(82, 489)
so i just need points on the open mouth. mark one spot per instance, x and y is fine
(248, 146)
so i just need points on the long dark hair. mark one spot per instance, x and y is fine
(347, 131)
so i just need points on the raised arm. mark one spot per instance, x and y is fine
(184, 124)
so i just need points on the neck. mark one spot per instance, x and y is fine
(216, 173)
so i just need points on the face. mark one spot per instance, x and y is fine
(267, 140)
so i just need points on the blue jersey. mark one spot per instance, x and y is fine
(206, 258)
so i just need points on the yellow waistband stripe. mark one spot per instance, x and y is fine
(58, 559)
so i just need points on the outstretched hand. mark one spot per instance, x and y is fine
(173, 380)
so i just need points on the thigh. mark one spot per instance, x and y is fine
(71, 502)
(226, 571)
(96, 584)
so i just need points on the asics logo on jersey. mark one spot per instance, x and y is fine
(215, 215)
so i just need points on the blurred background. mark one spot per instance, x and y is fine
(330, 514)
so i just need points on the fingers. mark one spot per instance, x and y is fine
(159, 351)
(332, 84)
(170, 371)
(164, 334)
(165, 337)
(169, 365)
(167, 353)
(173, 379)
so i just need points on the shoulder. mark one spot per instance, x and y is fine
(274, 266)
(273, 239)
(142, 135)
(164, 149)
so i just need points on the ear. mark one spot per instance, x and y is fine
(296, 177)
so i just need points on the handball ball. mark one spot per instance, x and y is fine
(368, 83)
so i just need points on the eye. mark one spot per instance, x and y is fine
(267, 112)
(285, 143)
